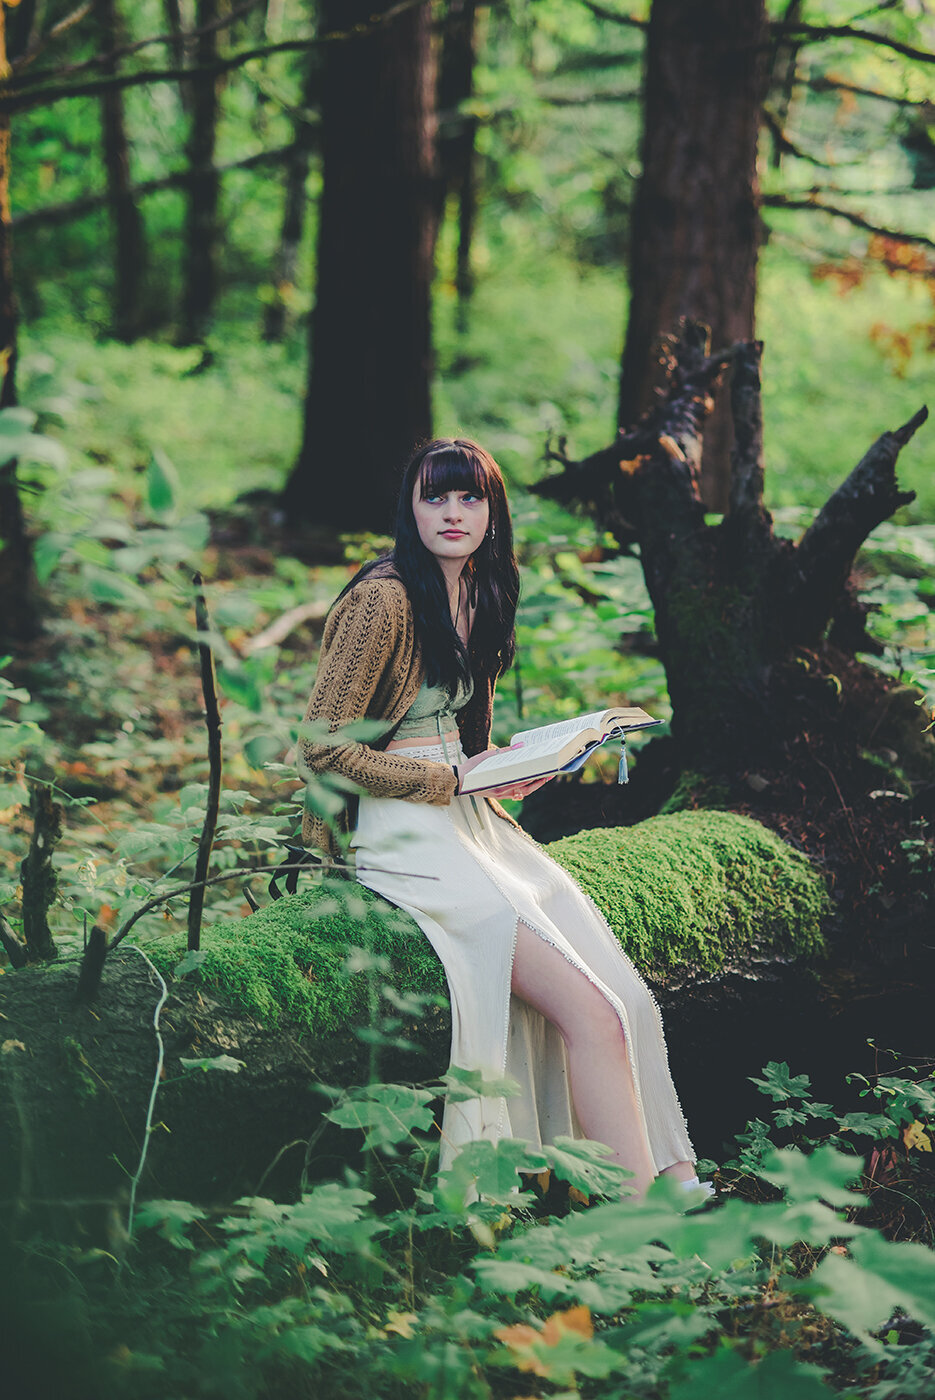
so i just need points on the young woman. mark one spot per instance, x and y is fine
(540, 989)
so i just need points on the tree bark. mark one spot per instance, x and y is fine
(695, 222)
(742, 616)
(19, 607)
(277, 314)
(457, 137)
(369, 391)
(125, 218)
(201, 218)
(38, 873)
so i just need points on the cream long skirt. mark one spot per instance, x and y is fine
(468, 878)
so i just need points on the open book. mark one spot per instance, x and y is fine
(554, 748)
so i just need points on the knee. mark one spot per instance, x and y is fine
(597, 1023)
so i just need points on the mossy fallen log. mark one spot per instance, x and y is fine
(288, 991)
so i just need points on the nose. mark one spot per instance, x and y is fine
(452, 507)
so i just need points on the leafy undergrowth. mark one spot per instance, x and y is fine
(798, 1281)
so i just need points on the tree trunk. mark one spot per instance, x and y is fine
(368, 400)
(201, 218)
(735, 605)
(695, 221)
(19, 609)
(173, 14)
(277, 314)
(457, 136)
(126, 220)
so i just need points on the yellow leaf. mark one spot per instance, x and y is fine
(915, 1136)
(400, 1323)
(521, 1338)
(577, 1319)
(9, 1046)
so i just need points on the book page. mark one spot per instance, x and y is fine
(554, 735)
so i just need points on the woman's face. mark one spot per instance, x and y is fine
(451, 525)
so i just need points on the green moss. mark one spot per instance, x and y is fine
(684, 890)
(694, 888)
(287, 961)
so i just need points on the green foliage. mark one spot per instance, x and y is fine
(456, 1288)
(694, 888)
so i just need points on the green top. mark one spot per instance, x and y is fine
(434, 711)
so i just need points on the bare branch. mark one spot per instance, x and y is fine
(287, 623)
(787, 147)
(825, 553)
(101, 60)
(87, 203)
(13, 945)
(813, 33)
(24, 99)
(827, 84)
(586, 99)
(601, 12)
(209, 690)
(781, 201)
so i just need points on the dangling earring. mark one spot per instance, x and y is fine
(493, 533)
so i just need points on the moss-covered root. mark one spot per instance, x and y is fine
(289, 961)
(696, 888)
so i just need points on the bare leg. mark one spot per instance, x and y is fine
(681, 1171)
(602, 1087)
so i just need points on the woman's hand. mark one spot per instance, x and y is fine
(515, 790)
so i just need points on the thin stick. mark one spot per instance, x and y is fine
(213, 721)
(249, 870)
(160, 1058)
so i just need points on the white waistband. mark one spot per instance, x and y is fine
(435, 752)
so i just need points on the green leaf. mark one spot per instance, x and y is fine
(162, 484)
(169, 1219)
(16, 420)
(874, 1125)
(779, 1084)
(239, 684)
(726, 1375)
(219, 1062)
(584, 1165)
(489, 1170)
(192, 960)
(824, 1174)
(880, 1275)
(464, 1084)
(47, 551)
(262, 749)
(386, 1113)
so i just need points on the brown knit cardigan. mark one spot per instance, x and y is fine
(370, 668)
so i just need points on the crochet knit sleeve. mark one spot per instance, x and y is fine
(361, 643)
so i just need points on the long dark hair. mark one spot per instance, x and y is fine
(491, 574)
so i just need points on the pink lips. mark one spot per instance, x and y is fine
(453, 534)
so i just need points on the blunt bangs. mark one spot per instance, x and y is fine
(453, 469)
